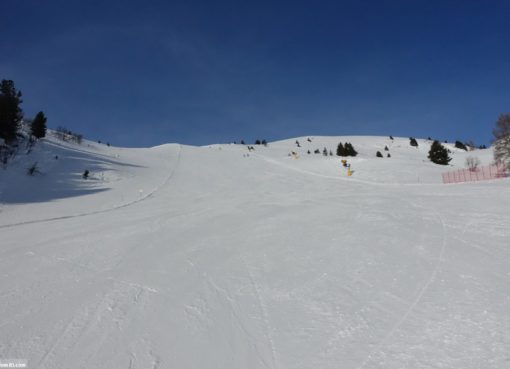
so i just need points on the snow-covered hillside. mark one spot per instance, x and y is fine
(118, 177)
(216, 257)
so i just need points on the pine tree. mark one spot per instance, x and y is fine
(346, 150)
(340, 150)
(10, 111)
(38, 126)
(350, 149)
(325, 152)
(413, 142)
(460, 145)
(438, 154)
(378, 154)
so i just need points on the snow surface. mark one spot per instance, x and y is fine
(205, 257)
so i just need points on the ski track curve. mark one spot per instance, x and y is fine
(440, 258)
(77, 324)
(145, 197)
(345, 179)
(264, 313)
(113, 310)
(418, 298)
(238, 321)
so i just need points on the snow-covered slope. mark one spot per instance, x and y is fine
(118, 177)
(259, 261)
(407, 164)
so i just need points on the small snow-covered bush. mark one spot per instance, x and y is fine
(472, 163)
(33, 169)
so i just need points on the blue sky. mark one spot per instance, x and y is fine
(196, 72)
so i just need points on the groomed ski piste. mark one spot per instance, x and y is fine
(219, 257)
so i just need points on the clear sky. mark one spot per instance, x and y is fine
(142, 73)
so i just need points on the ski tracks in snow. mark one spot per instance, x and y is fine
(121, 206)
(264, 313)
(89, 330)
(429, 281)
(421, 293)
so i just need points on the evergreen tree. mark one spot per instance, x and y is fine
(340, 150)
(325, 152)
(350, 149)
(38, 126)
(346, 150)
(413, 142)
(438, 154)
(378, 154)
(460, 145)
(10, 111)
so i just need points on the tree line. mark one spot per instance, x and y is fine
(11, 114)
